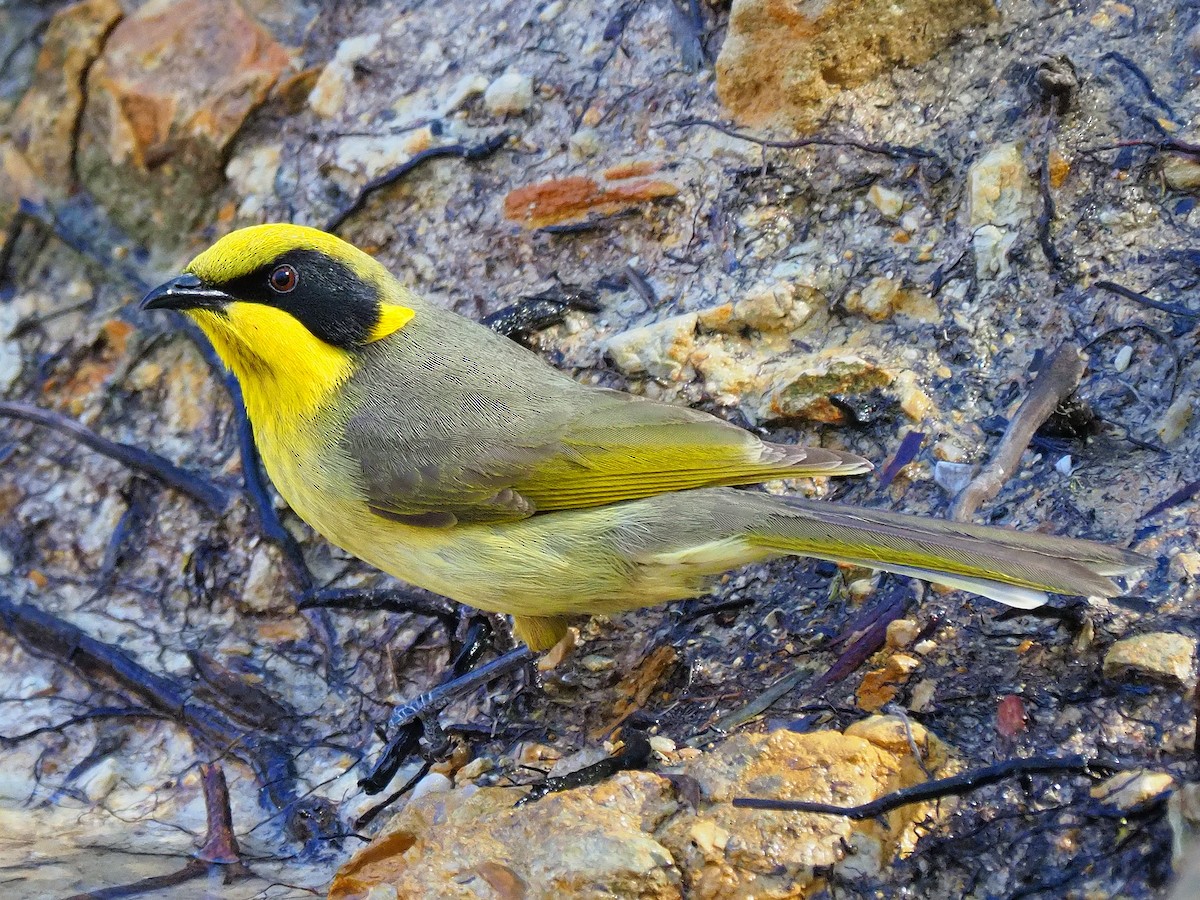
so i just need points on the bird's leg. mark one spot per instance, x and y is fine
(419, 717)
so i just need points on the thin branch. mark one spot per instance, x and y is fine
(463, 151)
(895, 151)
(1137, 297)
(939, 788)
(161, 469)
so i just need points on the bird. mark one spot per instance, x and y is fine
(459, 461)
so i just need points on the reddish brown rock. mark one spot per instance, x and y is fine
(562, 200)
(783, 60)
(174, 84)
(43, 125)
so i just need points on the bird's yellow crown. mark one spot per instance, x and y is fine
(243, 251)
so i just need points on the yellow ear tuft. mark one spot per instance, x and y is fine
(392, 317)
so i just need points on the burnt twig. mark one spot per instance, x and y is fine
(434, 701)
(940, 788)
(1057, 380)
(220, 844)
(895, 151)
(463, 151)
(161, 469)
(46, 635)
(396, 600)
(634, 754)
(1129, 294)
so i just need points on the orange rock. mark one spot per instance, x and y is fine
(116, 335)
(1060, 168)
(17, 181)
(783, 60)
(633, 168)
(180, 72)
(570, 199)
(880, 686)
(43, 124)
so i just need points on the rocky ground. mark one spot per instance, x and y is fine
(861, 225)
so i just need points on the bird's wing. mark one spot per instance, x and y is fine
(566, 449)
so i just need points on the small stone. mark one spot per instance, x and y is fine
(329, 95)
(433, 783)
(880, 686)
(1175, 420)
(1159, 656)
(252, 174)
(6, 561)
(889, 203)
(1185, 565)
(999, 189)
(662, 745)
(265, 589)
(991, 246)
(553, 658)
(509, 95)
(1011, 719)
(860, 589)
(585, 143)
(901, 633)
(594, 662)
(1181, 172)
(877, 300)
(1125, 790)
(1060, 168)
(922, 694)
(1064, 466)
(480, 765)
(709, 837)
(774, 306)
(952, 477)
(914, 402)
(1123, 358)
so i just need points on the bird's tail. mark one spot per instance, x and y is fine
(1013, 567)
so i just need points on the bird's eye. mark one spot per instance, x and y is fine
(284, 279)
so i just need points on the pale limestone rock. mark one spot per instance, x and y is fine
(1125, 790)
(1160, 656)
(328, 95)
(890, 203)
(509, 95)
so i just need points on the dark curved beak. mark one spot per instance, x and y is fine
(185, 292)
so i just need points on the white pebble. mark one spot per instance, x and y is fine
(1124, 356)
(509, 95)
(1064, 466)
(952, 477)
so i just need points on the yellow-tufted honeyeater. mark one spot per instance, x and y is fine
(459, 461)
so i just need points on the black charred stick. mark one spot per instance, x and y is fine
(161, 469)
(47, 635)
(940, 788)
(633, 755)
(462, 151)
(895, 151)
